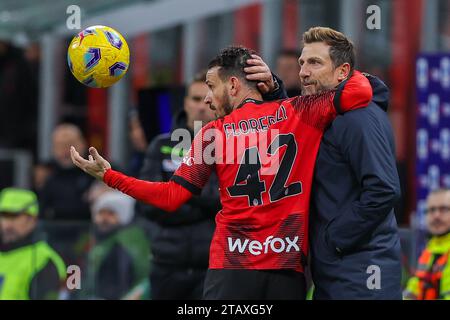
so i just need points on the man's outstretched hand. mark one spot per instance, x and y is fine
(260, 72)
(96, 165)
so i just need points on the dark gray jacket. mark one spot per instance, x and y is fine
(353, 231)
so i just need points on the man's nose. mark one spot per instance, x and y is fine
(304, 72)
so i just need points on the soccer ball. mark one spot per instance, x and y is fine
(98, 56)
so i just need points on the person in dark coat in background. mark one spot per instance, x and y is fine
(287, 69)
(180, 240)
(354, 240)
(63, 197)
(64, 194)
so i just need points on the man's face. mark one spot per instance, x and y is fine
(195, 106)
(106, 220)
(288, 70)
(137, 134)
(317, 72)
(438, 213)
(14, 227)
(63, 138)
(217, 97)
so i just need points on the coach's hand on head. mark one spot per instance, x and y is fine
(96, 165)
(259, 71)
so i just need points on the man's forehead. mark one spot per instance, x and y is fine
(197, 86)
(315, 49)
(212, 73)
(199, 89)
(66, 134)
(287, 58)
(440, 197)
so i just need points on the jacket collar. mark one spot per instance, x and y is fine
(30, 239)
(380, 91)
(439, 244)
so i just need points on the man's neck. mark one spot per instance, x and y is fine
(22, 242)
(250, 94)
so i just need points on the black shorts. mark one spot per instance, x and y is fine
(243, 284)
(176, 283)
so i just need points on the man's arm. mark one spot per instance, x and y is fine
(165, 195)
(169, 196)
(151, 171)
(279, 91)
(370, 153)
(357, 93)
(197, 208)
(46, 283)
(319, 110)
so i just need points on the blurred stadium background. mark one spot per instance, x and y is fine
(170, 40)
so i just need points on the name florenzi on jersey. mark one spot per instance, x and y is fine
(251, 125)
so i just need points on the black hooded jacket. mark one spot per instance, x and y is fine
(64, 194)
(353, 231)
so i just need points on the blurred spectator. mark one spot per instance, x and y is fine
(64, 194)
(96, 190)
(120, 257)
(41, 172)
(288, 70)
(33, 55)
(18, 104)
(138, 142)
(432, 277)
(180, 240)
(29, 267)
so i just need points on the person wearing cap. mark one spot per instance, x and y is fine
(431, 280)
(29, 267)
(120, 257)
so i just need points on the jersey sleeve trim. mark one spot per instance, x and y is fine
(186, 184)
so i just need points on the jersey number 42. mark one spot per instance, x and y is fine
(248, 182)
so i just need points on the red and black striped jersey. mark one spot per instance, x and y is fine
(264, 155)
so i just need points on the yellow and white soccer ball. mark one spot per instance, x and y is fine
(98, 56)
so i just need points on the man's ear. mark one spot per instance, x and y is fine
(234, 86)
(343, 71)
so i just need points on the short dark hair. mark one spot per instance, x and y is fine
(341, 48)
(232, 61)
(291, 53)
